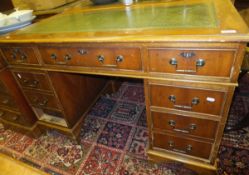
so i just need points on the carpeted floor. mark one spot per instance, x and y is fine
(114, 139)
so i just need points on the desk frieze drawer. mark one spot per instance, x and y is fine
(188, 99)
(204, 62)
(11, 116)
(117, 58)
(33, 80)
(20, 55)
(42, 100)
(184, 125)
(182, 145)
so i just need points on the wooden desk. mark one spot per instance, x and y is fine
(187, 52)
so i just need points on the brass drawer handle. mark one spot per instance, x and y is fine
(171, 144)
(172, 123)
(40, 102)
(191, 127)
(195, 101)
(67, 57)
(188, 148)
(53, 56)
(187, 54)
(43, 103)
(172, 98)
(34, 83)
(23, 57)
(173, 61)
(30, 83)
(120, 58)
(101, 58)
(16, 52)
(13, 56)
(199, 63)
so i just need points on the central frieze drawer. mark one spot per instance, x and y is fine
(189, 99)
(182, 145)
(184, 125)
(190, 61)
(42, 100)
(20, 55)
(34, 80)
(119, 58)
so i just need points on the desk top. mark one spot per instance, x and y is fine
(172, 20)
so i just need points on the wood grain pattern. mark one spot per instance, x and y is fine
(188, 31)
(182, 145)
(19, 55)
(42, 100)
(214, 62)
(184, 125)
(9, 82)
(207, 101)
(113, 58)
(33, 80)
(75, 92)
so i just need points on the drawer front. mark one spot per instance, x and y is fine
(7, 100)
(196, 100)
(182, 145)
(17, 55)
(42, 100)
(183, 124)
(53, 113)
(33, 80)
(196, 62)
(51, 116)
(11, 116)
(119, 58)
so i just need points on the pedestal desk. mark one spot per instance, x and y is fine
(188, 54)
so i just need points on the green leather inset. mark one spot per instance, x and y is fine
(200, 15)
